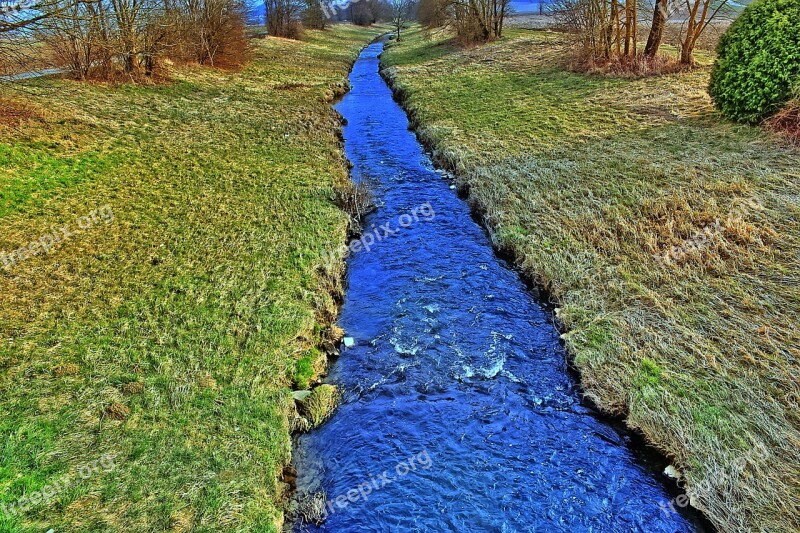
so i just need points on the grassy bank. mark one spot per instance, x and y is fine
(668, 238)
(147, 359)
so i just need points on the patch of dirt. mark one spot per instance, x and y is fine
(117, 411)
(134, 387)
(15, 112)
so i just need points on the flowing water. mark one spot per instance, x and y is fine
(459, 411)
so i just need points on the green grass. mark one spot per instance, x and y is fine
(590, 181)
(171, 336)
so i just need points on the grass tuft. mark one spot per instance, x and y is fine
(320, 404)
(304, 372)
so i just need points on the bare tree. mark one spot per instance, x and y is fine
(314, 17)
(96, 35)
(606, 28)
(20, 20)
(400, 12)
(432, 13)
(128, 25)
(368, 12)
(26, 14)
(102, 37)
(656, 36)
(473, 20)
(158, 34)
(283, 17)
(210, 27)
(73, 36)
(700, 14)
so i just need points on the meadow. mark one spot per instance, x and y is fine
(149, 352)
(667, 238)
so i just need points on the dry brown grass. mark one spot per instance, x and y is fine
(787, 121)
(118, 411)
(15, 111)
(639, 66)
(356, 200)
(589, 181)
(320, 404)
(134, 387)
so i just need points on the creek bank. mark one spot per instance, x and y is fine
(648, 449)
(315, 401)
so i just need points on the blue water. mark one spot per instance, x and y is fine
(456, 391)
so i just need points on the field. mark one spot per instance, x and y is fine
(668, 239)
(160, 279)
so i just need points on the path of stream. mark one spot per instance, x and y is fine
(459, 411)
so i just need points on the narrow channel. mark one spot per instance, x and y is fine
(459, 411)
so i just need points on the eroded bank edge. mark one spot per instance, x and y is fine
(313, 405)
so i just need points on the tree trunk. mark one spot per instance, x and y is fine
(657, 29)
(695, 29)
(502, 21)
(129, 62)
(617, 26)
(686, 57)
(628, 27)
(687, 46)
(635, 31)
(605, 29)
(687, 53)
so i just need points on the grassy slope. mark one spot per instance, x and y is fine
(204, 288)
(586, 180)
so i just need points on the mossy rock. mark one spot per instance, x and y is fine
(320, 404)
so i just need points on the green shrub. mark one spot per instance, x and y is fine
(758, 61)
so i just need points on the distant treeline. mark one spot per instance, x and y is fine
(107, 38)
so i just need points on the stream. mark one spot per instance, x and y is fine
(459, 411)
